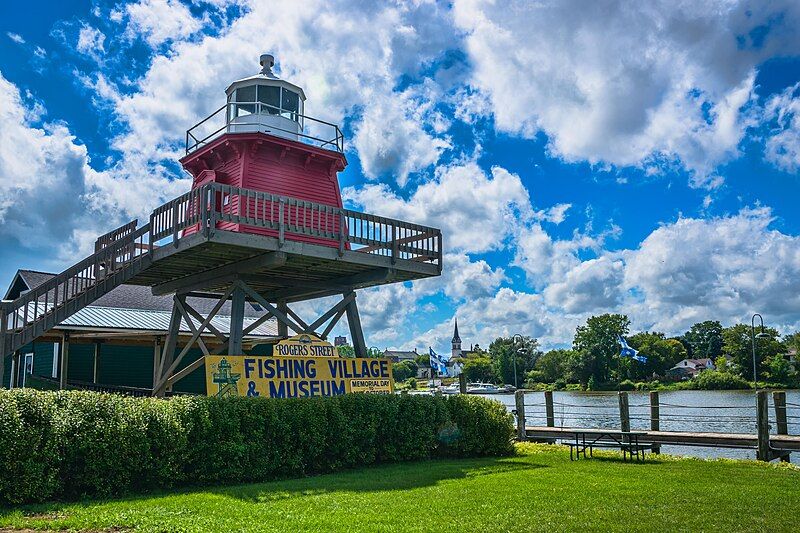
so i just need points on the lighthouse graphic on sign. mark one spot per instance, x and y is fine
(227, 381)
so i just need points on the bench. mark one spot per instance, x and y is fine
(627, 441)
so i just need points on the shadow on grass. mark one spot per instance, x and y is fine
(385, 478)
(374, 478)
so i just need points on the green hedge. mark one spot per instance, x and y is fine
(67, 445)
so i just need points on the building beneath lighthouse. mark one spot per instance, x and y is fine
(262, 229)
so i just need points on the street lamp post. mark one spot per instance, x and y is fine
(514, 340)
(753, 336)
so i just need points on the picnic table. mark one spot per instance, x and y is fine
(589, 439)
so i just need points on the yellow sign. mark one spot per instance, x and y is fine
(296, 377)
(305, 345)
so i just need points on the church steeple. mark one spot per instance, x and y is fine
(456, 342)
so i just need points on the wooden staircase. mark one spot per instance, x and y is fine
(119, 256)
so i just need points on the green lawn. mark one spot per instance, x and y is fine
(538, 490)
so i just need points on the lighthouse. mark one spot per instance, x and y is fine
(261, 230)
(261, 140)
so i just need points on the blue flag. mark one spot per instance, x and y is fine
(437, 363)
(627, 351)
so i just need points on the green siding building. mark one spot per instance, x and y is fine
(112, 343)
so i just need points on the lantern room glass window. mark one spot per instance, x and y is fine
(270, 97)
(265, 99)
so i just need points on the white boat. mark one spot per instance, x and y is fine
(453, 388)
(483, 388)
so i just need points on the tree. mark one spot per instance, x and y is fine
(479, 369)
(504, 351)
(705, 339)
(404, 370)
(779, 370)
(738, 344)
(554, 365)
(661, 353)
(596, 345)
(374, 352)
(346, 350)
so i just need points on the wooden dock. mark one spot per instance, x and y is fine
(767, 445)
(788, 443)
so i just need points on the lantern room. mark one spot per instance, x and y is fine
(265, 103)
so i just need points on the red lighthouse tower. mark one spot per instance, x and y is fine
(267, 144)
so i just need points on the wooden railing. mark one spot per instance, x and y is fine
(214, 205)
(41, 308)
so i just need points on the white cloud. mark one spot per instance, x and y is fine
(44, 177)
(16, 37)
(623, 83)
(159, 21)
(475, 211)
(389, 139)
(91, 42)
(783, 144)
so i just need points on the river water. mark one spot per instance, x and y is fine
(696, 411)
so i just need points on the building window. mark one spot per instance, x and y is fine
(271, 98)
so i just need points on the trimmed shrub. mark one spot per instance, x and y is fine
(714, 380)
(76, 444)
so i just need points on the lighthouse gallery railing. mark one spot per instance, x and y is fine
(210, 206)
(329, 135)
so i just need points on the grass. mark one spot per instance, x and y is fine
(537, 490)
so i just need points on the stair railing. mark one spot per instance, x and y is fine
(36, 311)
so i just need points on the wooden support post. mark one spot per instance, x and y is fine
(96, 362)
(462, 383)
(356, 333)
(548, 408)
(156, 359)
(655, 418)
(171, 343)
(13, 381)
(762, 420)
(63, 371)
(624, 412)
(3, 332)
(519, 399)
(781, 425)
(283, 329)
(237, 322)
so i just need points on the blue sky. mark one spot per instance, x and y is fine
(580, 158)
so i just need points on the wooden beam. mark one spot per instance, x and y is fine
(333, 323)
(283, 329)
(279, 315)
(237, 321)
(340, 285)
(333, 311)
(96, 362)
(179, 375)
(356, 333)
(168, 354)
(299, 320)
(221, 274)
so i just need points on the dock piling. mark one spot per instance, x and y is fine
(781, 424)
(655, 418)
(624, 412)
(762, 421)
(548, 406)
(519, 398)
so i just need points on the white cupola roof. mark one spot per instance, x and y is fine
(265, 77)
